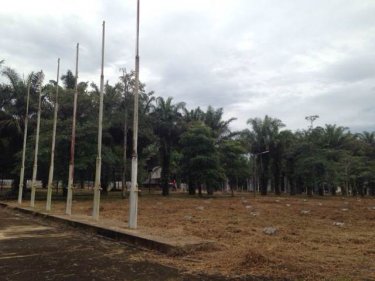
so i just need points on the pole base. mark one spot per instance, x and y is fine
(133, 209)
(32, 200)
(69, 199)
(96, 207)
(49, 198)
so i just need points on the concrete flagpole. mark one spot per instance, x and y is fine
(125, 140)
(35, 167)
(51, 167)
(69, 197)
(96, 207)
(133, 205)
(22, 173)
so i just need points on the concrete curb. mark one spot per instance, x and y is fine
(138, 239)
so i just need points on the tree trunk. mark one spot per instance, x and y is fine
(210, 190)
(166, 161)
(231, 189)
(104, 180)
(282, 183)
(14, 186)
(299, 187)
(333, 190)
(361, 189)
(64, 187)
(354, 189)
(165, 186)
(264, 176)
(344, 189)
(309, 190)
(44, 182)
(114, 178)
(372, 188)
(65, 191)
(191, 187)
(277, 184)
(292, 186)
(321, 190)
(264, 187)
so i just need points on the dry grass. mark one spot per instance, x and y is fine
(307, 246)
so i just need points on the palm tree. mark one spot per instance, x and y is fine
(13, 99)
(368, 141)
(317, 155)
(287, 148)
(367, 137)
(127, 82)
(279, 147)
(68, 80)
(200, 158)
(167, 117)
(213, 118)
(193, 115)
(262, 138)
(332, 143)
(333, 136)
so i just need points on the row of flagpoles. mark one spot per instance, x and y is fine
(133, 204)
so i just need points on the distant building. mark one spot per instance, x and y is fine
(153, 177)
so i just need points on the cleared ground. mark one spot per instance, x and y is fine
(31, 249)
(316, 239)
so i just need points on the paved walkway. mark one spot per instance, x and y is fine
(30, 250)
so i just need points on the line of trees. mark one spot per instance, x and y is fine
(193, 146)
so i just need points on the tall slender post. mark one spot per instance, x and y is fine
(22, 174)
(51, 166)
(133, 206)
(96, 208)
(35, 167)
(69, 196)
(125, 140)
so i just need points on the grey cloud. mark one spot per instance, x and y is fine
(287, 59)
(351, 106)
(356, 68)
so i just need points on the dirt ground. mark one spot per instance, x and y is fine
(31, 249)
(320, 238)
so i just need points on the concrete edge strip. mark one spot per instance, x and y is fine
(133, 239)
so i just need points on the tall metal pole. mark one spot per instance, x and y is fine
(35, 168)
(51, 166)
(69, 197)
(22, 174)
(125, 140)
(133, 206)
(96, 208)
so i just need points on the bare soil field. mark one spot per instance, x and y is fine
(319, 238)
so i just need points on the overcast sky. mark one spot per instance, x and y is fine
(287, 59)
